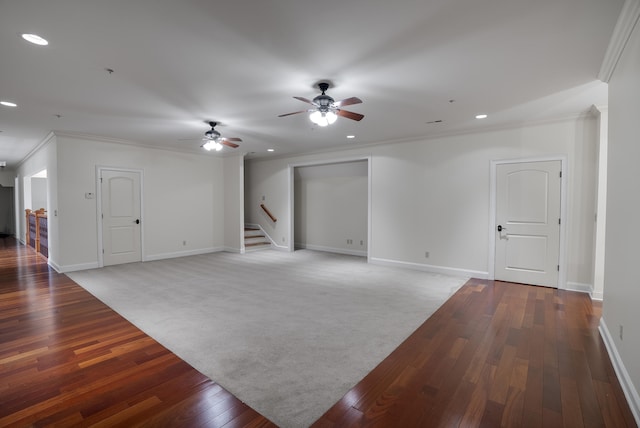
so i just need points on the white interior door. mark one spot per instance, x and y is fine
(528, 222)
(120, 197)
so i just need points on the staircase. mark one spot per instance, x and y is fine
(255, 239)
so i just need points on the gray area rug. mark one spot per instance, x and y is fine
(287, 333)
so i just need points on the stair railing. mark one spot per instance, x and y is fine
(37, 231)
(266, 210)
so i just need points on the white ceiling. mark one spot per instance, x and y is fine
(178, 63)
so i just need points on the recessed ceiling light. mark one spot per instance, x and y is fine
(8, 104)
(271, 150)
(481, 116)
(351, 136)
(35, 39)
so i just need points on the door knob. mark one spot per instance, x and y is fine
(500, 228)
(137, 221)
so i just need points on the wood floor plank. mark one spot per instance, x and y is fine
(571, 411)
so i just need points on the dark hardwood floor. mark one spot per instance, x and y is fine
(496, 354)
(66, 359)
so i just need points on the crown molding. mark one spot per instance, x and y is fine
(50, 137)
(585, 115)
(110, 140)
(624, 27)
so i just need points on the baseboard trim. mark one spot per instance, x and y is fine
(73, 268)
(346, 251)
(175, 254)
(629, 390)
(584, 288)
(444, 270)
(54, 265)
(578, 286)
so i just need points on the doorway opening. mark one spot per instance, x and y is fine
(35, 216)
(330, 206)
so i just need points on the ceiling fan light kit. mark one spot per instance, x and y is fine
(214, 141)
(322, 118)
(326, 110)
(212, 145)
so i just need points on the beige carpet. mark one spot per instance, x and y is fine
(288, 333)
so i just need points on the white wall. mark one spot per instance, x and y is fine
(44, 158)
(38, 193)
(602, 114)
(178, 199)
(233, 203)
(622, 288)
(331, 207)
(433, 195)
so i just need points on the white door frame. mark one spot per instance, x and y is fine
(562, 275)
(99, 170)
(293, 166)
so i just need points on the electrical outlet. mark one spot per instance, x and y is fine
(621, 332)
(426, 254)
(361, 242)
(184, 243)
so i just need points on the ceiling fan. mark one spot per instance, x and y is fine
(326, 110)
(214, 141)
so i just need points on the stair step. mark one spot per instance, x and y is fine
(257, 244)
(255, 239)
(253, 233)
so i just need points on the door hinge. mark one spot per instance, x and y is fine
(558, 268)
(559, 221)
(560, 174)
(103, 251)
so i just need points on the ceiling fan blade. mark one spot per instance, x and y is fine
(229, 143)
(232, 139)
(349, 114)
(348, 102)
(305, 100)
(295, 112)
